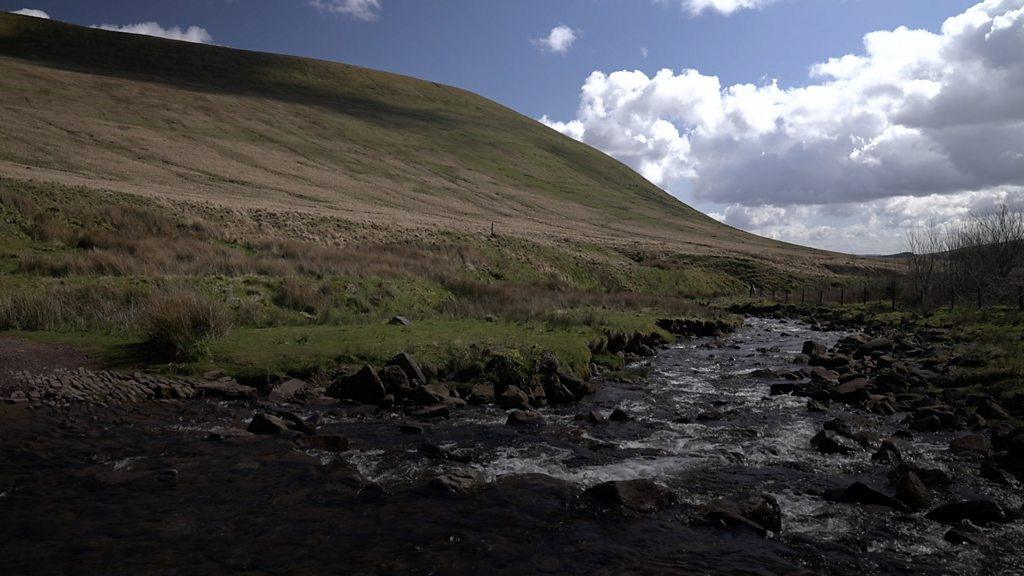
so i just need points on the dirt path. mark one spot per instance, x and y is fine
(18, 355)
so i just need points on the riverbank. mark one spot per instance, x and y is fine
(709, 472)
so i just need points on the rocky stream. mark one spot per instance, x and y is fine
(776, 449)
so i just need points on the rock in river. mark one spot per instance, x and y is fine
(263, 423)
(364, 386)
(980, 512)
(640, 495)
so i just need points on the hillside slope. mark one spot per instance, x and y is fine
(251, 130)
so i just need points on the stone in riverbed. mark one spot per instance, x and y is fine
(595, 417)
(640, 495)
(764, 510)
(263, 423)
(912, 492)
(481, 393)
(619, 415)
(408, 365)
(888, 453)
(828, 442)
(364, 387)
(395, 381)
(430, 394)
(513, 398)
(431, 412)
(815, 406)
(980, 512)
(464, 482)
(861, 493)
(812, 348)
(524, 418)
(972, 445)
(227, 389)
(286, 391)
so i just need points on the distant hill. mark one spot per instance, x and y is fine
(243, 129)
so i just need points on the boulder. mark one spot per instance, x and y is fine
(815, 406)
(853, 391)
(225, 388)
(979, 512)
(710, 415)
(481, 393)
(764, 510)
(395, 381)
(619, 415)
(888, 453)
(463, 482)
(556, 392)
(430, 394)
(912, 492)
(524, 418)
(861, 493)
(408, 365)
(595, 417)
(716, 513)
(933, 478)
(828, 442)
(812, 348)
(287, 390)
(513, 398)
(399, 321)
(364, 387)
(263, 423)
(640, 495)
(971, 445)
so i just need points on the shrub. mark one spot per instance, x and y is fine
(180, 324)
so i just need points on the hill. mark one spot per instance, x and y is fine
(304, 197)
(178, 120)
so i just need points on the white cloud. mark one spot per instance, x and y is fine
(190, 34)
(32, 12)
(917, 114)
(644, 51)
(725, 7)
(559, 40)
(366, 10)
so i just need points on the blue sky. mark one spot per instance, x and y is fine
(484, 45)
(836, 123)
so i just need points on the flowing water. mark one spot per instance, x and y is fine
(144, 491)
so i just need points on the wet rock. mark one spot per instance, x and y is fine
(481, 393)
(556, 392)
(263, 423)
(959, 537)
(619, 415)
(431, 412)
(329, 443)
(724, 515)
(399, 321)
(822, 374)
(980, 512)
(524, 418)
(395, 381)
(296, 423)
(853, 391)
(933, 478)
(513, 398)
(971, 444)
(815, 406)
(828, 442)
(911, 491)
(373, 492)
(364, 386)
(888, 453)
(861, 493)
(812, 348)
(765, 511)
(595, 417)
(464, 482)
(994, 473)
(408, 365)
(226, 389)
(410, 429)
(287, 390)
(639, 495)
(856, 428)
(430, 394)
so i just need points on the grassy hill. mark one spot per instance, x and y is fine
(304, 194)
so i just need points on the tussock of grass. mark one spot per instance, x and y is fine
(179, 325)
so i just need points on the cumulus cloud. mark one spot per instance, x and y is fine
(725, 7)
(558, 41)
(32, 12)
(190, 34)
(917, 114)
(366, 10)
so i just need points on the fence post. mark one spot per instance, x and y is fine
(894, 293)
(864, 297)
(952, 298)
(842, 295)
(821, 296)
(1020, 298)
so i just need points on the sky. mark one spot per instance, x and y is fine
(840, 124)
